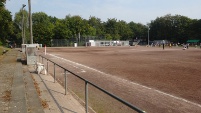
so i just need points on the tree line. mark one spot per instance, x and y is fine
(6, 24)
(175, 28)
(47, 27)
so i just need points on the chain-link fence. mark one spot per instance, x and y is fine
(70, 41)
(97, 41)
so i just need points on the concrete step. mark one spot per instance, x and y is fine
(33, 101)
(18, 97)
(17, 86)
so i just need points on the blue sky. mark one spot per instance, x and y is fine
(139, 11)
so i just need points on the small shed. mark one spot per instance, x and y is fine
(193, 42)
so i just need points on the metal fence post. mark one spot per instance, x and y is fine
(47, 65)
(86, 96)
(54, 74)
(65, 81)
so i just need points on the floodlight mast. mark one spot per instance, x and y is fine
(23, 30)
(148, 36)
(30, 23)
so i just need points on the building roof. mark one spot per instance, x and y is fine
(193, 41)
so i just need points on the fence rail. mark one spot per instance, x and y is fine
(86, 87)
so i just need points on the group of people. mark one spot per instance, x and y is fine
(12, 45)
(185, 46)
(159, 44)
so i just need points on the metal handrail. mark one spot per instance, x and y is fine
(86, 88)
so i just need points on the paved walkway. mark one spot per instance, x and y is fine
(23, 91)
(54, 95)
(17, 91)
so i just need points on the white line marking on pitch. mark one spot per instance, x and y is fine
(82, 70)
(160, 92)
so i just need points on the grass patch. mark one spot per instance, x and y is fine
(2, 49)
(43, 102)
(1, 52)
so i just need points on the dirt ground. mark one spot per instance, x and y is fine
(153, 79)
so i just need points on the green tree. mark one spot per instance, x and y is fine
(124, 30)
(172, 28)
(2, 2)
(111, 28)
(108, 37)
(77, 26)
(61, 29)
(97, 25)
(138, 31)
(18, 26)
(42, 28)
(6, 26)
(88, 30)
(194, 29)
